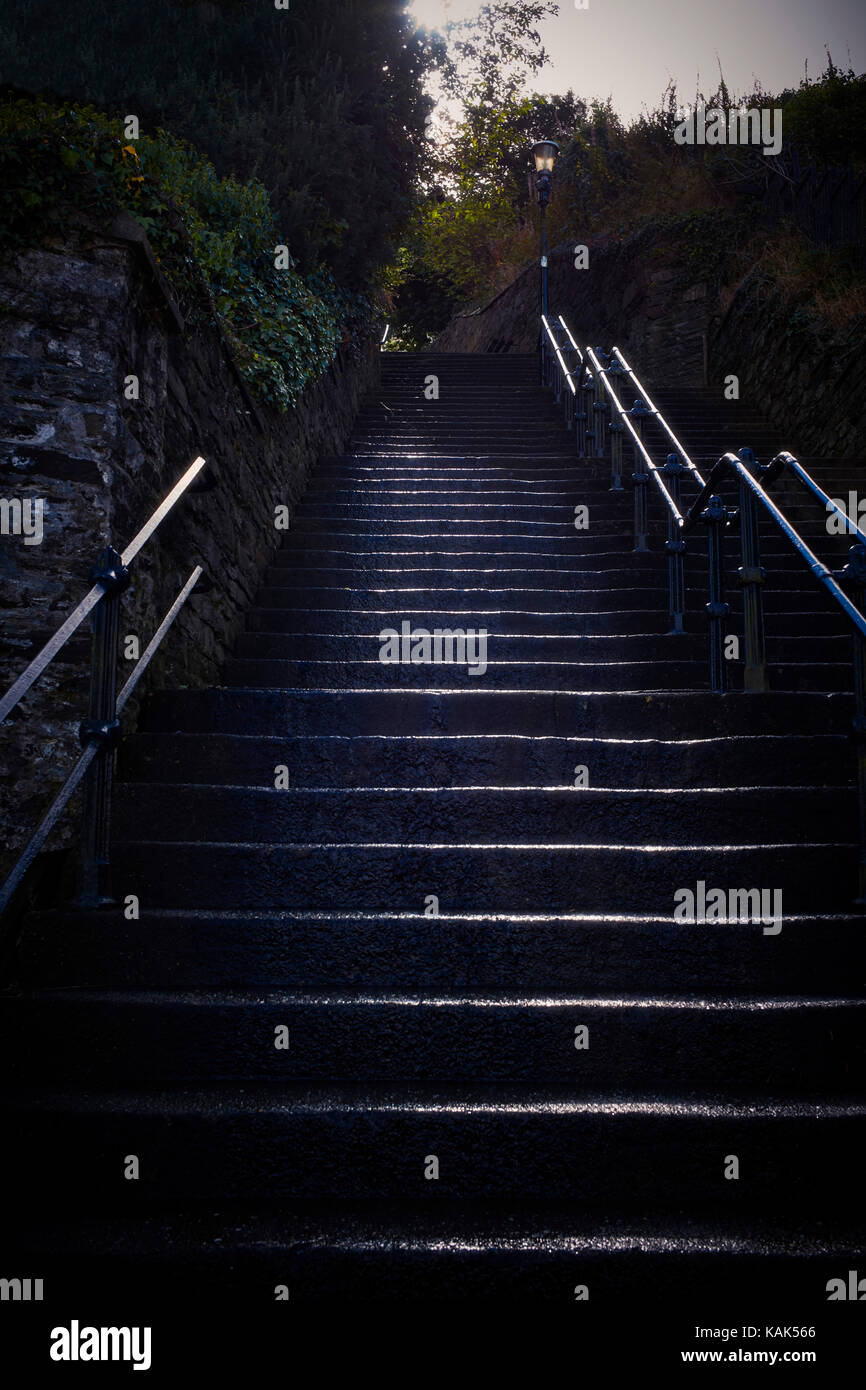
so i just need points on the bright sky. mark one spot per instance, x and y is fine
(628, 49)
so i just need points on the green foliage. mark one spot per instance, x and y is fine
(827, 119)
(322, 103)
(421, 300)
(708, 242)
(214, 237)
(487, 58)
(488, 154)
(475, 227)
(472, 225)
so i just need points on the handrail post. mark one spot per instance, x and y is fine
(544, 356)
(640, 478)
(599, 407)
(101, 727)
(623, 369)
(589, 392)
(751, 576)
(854, 574)
(616, 432)
(615, 371)
(578, 413)
(716, 517)
(580, 424)
(571, 395)
(637, 415)
(675, 545)
(99, 733)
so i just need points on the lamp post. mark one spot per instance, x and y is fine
(544, 153)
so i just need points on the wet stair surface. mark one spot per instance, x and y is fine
(551, 806)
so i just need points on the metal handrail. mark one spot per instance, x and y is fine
(787, 461)
(99, 733)
(70, 786)
(709, 508)
(559, 358)
(572, 343)
(732, 464)
(644, 396)
(637, 441)
(33, 671)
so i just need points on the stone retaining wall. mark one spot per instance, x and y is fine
(75, 322)
(635, 293)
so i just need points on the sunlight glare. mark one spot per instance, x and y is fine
(435, 14)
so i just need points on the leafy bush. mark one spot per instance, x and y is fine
(827, 119)
(478, 226)
(215, 237)
(322, 102)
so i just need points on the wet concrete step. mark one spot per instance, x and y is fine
(559, 523)
(484, 446)
(599, 569)
(478, 530)
(600, 509)
(584, 623)
(98, 1038)
(376, 572)
(515, 598)
(534, 459)
(613, 714)
(617, 556)
(538, 674)
(505, 572)
(491, 760)
(445, 441)
(427, 495)
(651, 674)
(324, 646)
(457, 381)
(364, 1141)
(551, 598)
(425, 501)
(443, 436)
(538, 953)
(517, 411)
(468, 470)
(465, 363)
(466, 397)
(448, 1251)
(453, 1035)
(413, 415)
(431, 490)
(621, 646)
(549, 815)
(511, 876)
(400, 569)
(454, 542)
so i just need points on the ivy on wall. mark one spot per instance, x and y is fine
(67, 166)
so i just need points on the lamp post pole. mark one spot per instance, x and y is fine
(544, 153)
(543, 257)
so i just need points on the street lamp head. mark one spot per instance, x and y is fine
(544, 153)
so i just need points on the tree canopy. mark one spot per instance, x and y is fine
(323, 103)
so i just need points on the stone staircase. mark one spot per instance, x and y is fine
(538, 1089)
